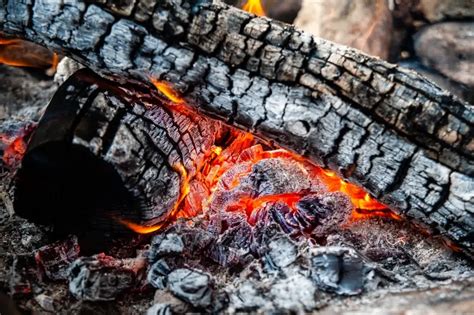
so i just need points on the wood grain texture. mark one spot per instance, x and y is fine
(103, 151)
(405, 140)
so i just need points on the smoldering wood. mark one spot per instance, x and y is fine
(405, 140)
(276, 280)
(96, 158)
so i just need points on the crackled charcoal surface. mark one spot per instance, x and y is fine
(221, 262)
(127, 158)
(405, 140)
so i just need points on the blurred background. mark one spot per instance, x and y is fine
(433, 37)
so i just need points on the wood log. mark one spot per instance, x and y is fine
(105, 153)
(405, 140)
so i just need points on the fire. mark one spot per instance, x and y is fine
(359, 197)
(242, 149)
(20, 53)
(14, 146)
(185, 188)
(252, 204)
(167, 91)
(255, 7)
(140, 229)
(14, 151)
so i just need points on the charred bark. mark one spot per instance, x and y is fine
(101, 153)
(405, 140)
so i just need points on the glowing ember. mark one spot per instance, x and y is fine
(364, 204)
(227, 165)
(14, 146)
(185, 188)
(20, 53)
(140, 229)
(167, 91)
(255, 7)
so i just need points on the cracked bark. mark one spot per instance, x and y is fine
(405, 140)
(124, 152)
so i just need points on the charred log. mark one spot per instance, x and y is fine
(389, 130)
(95, 157)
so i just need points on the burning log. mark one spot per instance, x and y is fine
(129, 159)
(389, 130)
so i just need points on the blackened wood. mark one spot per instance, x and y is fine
(98, 155)
(405, 140)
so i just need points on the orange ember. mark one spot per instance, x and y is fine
(243, 150)
(167, 91)
(140, 229)
(364, 204)
(255, 7)
(20, 53)
(252, 204)
(14, 146)
(185, 189)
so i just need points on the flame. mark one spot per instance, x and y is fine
(140, 229)
(20, 53)
(255, 7)
(364, 205)
(184, 191)
(167, 91)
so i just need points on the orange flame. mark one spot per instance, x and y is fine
(359, 197)
(167, 91)
(140, 229)
(196, 192)
(255, 7)
(184, 191)
(20, 53)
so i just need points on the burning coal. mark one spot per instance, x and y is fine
(229, 179)
(14, 143)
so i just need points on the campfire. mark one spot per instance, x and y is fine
(196, 157)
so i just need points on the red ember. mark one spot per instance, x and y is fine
(236, 160)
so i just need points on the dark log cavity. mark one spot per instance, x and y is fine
(405, 140)
(97, 156)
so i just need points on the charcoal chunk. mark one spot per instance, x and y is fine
(340, 270)
(282, 252)
(101, 277)
(157, 274)
(314, 213)
(54, 259)
(191, 286)
(167, 244)
(46, 302)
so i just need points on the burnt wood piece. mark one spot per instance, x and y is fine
(408, 142)
(98, 155)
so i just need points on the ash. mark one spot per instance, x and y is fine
(315, 257)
